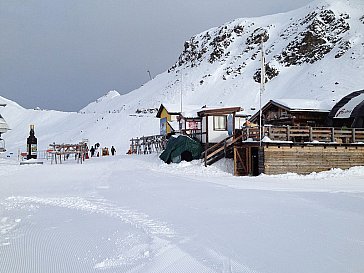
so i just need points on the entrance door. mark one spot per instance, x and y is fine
(241, 164)
(255, 161)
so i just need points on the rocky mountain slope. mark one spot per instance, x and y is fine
(315, 52)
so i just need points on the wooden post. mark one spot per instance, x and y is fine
(248, 160)
(225, 148)
(207, 130)
(261, 160)
(353, 137)
(269, 131)
(310, 134)
(332, 134)
(206, 157)
(288, 133)
(235, 161)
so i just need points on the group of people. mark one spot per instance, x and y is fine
(97, 151)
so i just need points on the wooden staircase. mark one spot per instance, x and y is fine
(223, 149)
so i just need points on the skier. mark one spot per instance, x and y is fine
(113, 151)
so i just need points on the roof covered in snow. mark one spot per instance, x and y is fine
(176, 109)
(193, 111)
(219, 110)
(296, 105)
(302, 104)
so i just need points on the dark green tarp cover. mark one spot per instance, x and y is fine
(181, 148)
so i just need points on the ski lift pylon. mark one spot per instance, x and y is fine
(2, 145)
(3, 129)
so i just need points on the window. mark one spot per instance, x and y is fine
(220, 123)
(284, 114)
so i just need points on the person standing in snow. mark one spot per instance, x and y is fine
(113, 151)
(92, 151)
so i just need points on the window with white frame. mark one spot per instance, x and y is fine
(220, 123)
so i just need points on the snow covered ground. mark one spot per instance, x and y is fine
(137, 214)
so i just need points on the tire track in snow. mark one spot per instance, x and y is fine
(134, 218)
(204, 258)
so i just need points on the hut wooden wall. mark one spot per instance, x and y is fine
(308, 159)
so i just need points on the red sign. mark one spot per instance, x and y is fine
(193, 125)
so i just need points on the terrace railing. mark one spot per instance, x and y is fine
(306, 134)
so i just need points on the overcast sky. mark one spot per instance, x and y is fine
(63, 54)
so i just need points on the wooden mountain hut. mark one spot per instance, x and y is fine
(293, 112)
(211, 124)
(169, 115)
(217, 123)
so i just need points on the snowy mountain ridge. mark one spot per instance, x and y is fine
(107, 128)
(101, 104)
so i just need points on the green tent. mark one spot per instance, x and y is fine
(181, 148)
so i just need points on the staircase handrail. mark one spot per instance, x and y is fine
(224, 144)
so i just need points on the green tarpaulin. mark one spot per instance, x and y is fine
(181, 148)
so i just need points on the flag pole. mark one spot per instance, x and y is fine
(262, 88)
(181, 90)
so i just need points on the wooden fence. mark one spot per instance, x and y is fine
(59, 152)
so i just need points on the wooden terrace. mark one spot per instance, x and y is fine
(289, 149)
